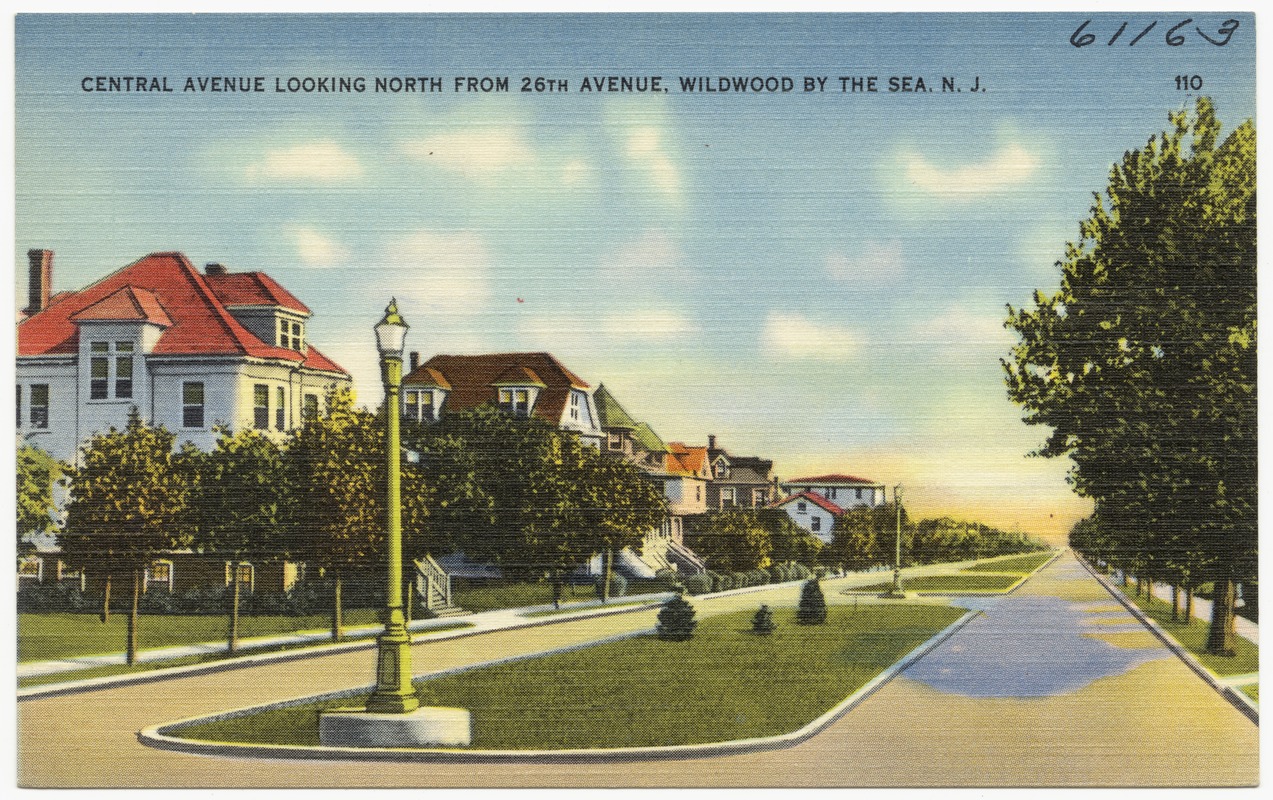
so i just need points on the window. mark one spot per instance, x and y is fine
(158, 576)
(31, 568)
(261, 406)
(698, 494)
(426, 407)
(831, 493)
(290, 334)
(246, 574)
(123, 369)
(614, 440)
(411, 405)
(802, 507)
(39, 405)
(815, 524)
(192, 405)
(859, 494)
(574, 405)
(720, 470)
(99, 372)
(280, 413)
(310, 409)
(515, 401)
(727, 497)
(758, 497)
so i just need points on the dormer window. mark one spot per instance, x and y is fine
(290, 334)
(574, 406)
(515, 401)
(720, 470)
(614, 440)
(418, 405)
(100, 363)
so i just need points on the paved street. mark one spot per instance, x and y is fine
(1054, 685)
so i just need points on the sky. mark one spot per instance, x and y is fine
(819, 278)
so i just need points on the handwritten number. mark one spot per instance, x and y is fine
(1117, 34)
(1226, 30)
(1085, 39)
(1141, 35)
(1177, 40)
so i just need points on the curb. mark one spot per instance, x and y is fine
(974, 593)
(1236, 698)
(159, 737)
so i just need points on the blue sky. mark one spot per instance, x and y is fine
(817, 278)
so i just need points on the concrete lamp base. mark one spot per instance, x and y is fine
(424, 727)
(895, 594)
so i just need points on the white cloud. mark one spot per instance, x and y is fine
(644, 148)
(576, 172)
(446, 273)
(316, 249)
(873, 261)
(1011, 166)
(480, 154)
(319, 162)
(793, 336)
(958, 326)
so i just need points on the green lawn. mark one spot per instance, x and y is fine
(1251, 690)
(573, 607)
(43, 637)
(1020, 565)
(488, 595)
(1193, 636)
(185, 661)
(948, 583)
(725, 683)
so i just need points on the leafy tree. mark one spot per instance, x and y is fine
(1143, 362)
(242, 506)
(335, 467)
(37, 472)
(128, 503)
(731, 540)
(813, 604)
(788, 541)
(861, 535)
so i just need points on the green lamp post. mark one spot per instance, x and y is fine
(394, 693)
(896, 591)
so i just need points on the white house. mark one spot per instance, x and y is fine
(813, 512)
(188, 350)
(846, 491)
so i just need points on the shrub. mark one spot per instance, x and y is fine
(47, 597)
(799, 572)
(717, 581)
(698, 584)
(822, 572)
(763, 623)
(676, 620)
(780, 572)
(740, 580)
(813, 605)
(618, 585)
(766, 576)
(669, 580)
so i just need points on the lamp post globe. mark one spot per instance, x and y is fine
(394, 692)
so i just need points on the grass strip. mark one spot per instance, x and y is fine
(1192, 635)
(575, 607)
(1020, 565)
(1251, 690)
(726, 683)
(948, 583)
(107, 670)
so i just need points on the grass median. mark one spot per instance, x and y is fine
(1192, 635)
(1018, 565)
(724, 684)
(955, 584)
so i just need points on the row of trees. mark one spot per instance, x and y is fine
(743, 539)
(1143, 363)
(512, 492)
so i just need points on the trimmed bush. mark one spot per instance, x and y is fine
(781, 573)
(676, 620)
(813, 605)
(799, 572)
(698, 584)
(618, 585)
(740, 580)
(763, 623)
(669, 580)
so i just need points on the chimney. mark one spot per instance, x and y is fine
(40, 284)
(213, 268)
(415, 360)
(711, 441)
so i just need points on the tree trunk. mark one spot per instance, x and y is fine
(556, 590)
(106, 601)
(1188, 605)
(233, 644)
(609, 572)
(131, 655)
(1124, 578)
(338, 627)
(1175, 603)
(1220, 638)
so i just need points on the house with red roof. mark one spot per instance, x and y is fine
(813, 512)
(523, 384)
(846, 491)
(187, 349)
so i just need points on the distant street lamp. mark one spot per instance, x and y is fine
(394, 693)
(896, 590)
